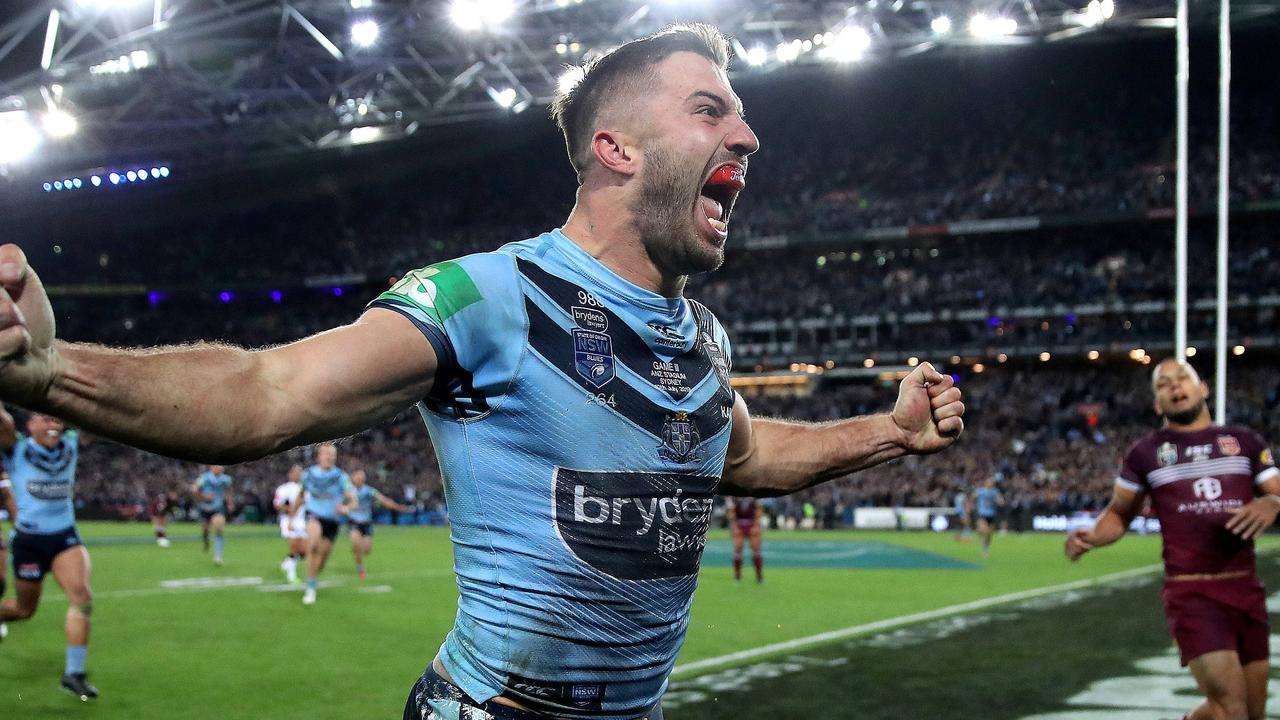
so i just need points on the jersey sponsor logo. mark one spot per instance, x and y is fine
(635, 526)
(28, 571)
(590, 319)
(680, 439)
(593, 356)
(1167, 454)
(578, 696)
(439, 290)
(49, 489)
(1228, 445)
(667, 336)
(1199, 453)
(1207, 488)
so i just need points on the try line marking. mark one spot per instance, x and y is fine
(888, 623)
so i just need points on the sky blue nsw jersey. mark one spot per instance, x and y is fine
(325, 489)
(43, 483)
(217, 486)
(582, 424)
(985, 501)
(366, 496)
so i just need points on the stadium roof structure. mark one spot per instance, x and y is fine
(214, 82)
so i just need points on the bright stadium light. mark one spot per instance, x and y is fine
(364, 33)
(95, 181)
(59, 124)
(757, 56)
(848, 46)
(505, 97)
(984, 26)
(787, 52)
(941, 25)
(164, 171)
(133, 176)
(114, 178)
(155, 173)
(361, 4)
(18, 137)
(473, 15)
(1108, 9)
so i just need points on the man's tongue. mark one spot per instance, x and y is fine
(712, 208)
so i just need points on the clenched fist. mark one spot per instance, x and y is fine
(929, 411)
(26, 330)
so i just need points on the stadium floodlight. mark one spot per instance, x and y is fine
(471, 15)
(940, 25)
(787, 52)
(849, 45)
(77, 183)
(164, 171)
(505, 97)
(361, 4)
(757, 56)
(1094, 354)
(562, 48)
(133, 176)
(140, 59)
(142, 174)
(1191, 352)
(1044, 357)
(569, 79)
(1237, 350)
(155, 173)
(96, 181)
(48, 187)
(364, 33)
(1108, 9)
(59, 124)
(114, 178)
(913, 361)
(57, 184)
(868, 363)
(984, 26)
(18, 137)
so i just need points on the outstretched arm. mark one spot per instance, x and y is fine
(1110, 527)
(209, 402)
(390, 504)
(776, 457)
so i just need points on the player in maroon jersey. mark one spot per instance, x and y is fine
(745, 520)
(1214, 488)
(158, 509)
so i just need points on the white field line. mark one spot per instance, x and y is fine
(247, 583)
(888, 623)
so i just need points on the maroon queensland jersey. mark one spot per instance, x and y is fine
(1195, 480)
(744, 510)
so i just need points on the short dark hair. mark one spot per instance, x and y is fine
(575, 110)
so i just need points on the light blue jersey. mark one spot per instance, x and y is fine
(581, 424)
(366, 496)
(216, 485)
(325, 489)
(985, 501)
(43, 483)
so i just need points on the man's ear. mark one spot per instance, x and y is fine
(616, 152)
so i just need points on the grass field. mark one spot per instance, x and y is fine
(909, 630)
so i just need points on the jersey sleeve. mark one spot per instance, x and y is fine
(347, 485)
(1133, 473)
(1261, 462)
(472, 312)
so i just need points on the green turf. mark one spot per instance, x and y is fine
(239, 652)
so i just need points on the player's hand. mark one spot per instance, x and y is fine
(1077, 544)
(929, 411)
(1249, 521)
(26, 330)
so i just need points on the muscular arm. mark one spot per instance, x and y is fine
(775, 457)
(1111, 524)
(221, 404)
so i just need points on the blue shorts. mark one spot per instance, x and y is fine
(435, 698)
(33, 553)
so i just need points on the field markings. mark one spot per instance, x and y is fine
(186, 585)
(889, 623)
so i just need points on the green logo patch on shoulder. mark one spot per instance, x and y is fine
(439, 290)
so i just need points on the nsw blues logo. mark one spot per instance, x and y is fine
(680, 439)
(593, 356)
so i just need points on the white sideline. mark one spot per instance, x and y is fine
(887, 623)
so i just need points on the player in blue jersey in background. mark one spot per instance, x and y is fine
(329, 496)
(11, 508)
(42, 471)
(214, 501)
(580, 406)
(361, 518)
(987, 501)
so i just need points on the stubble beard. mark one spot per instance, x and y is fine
(663, 212)
(1188, 416)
